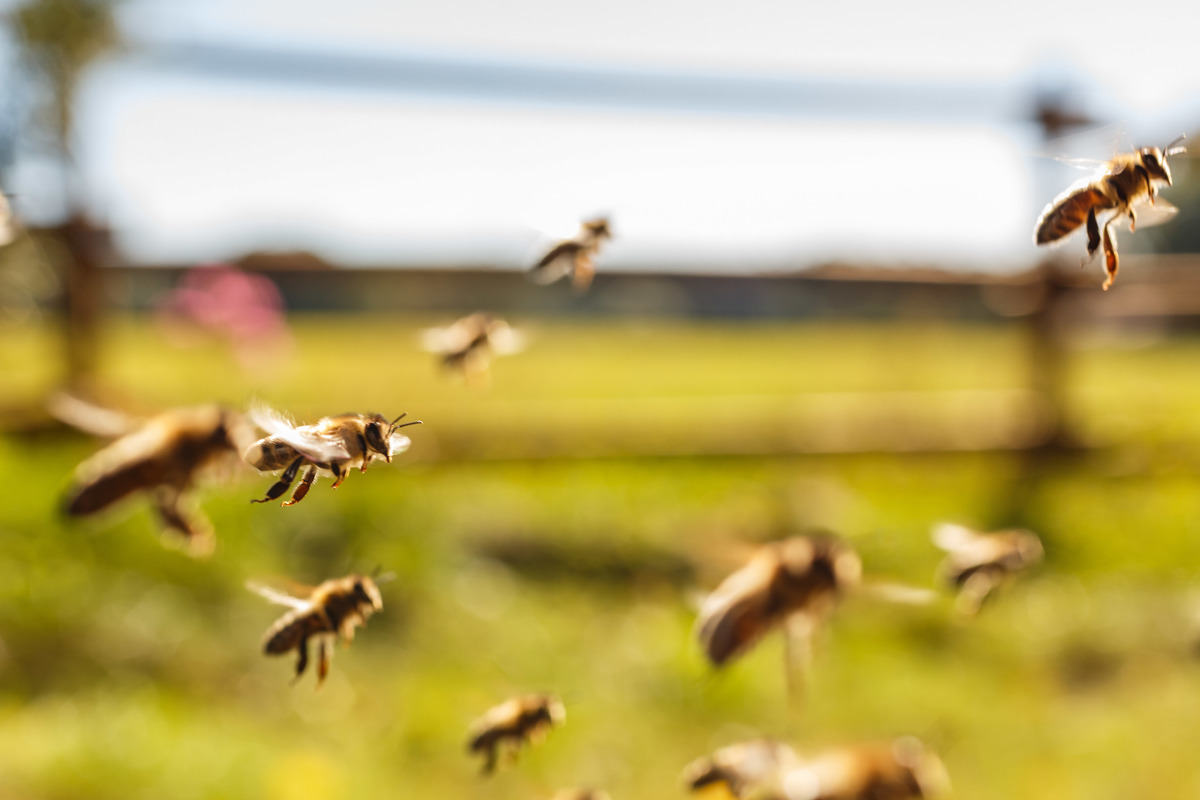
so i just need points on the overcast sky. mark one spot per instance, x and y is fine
(717, 134)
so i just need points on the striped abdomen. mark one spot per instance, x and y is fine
(1068, 212)
(293, 628)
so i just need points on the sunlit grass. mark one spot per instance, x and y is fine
(129, 670)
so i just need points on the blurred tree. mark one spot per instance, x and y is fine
(59, 40)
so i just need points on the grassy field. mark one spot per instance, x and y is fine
(554, 530)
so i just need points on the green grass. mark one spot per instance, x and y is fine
(129, 670)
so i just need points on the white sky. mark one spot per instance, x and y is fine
(193, 167)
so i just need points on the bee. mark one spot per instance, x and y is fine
(574, 256)
(1124, 185)
(163, 457)
(526, 718)
(467, 345)
(901, 770)
(745, 769)
(800, 578)
(977, 563)
(330, 611)
(331, 446)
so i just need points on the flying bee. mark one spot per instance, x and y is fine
(795, 580)
(331, 446)
(901, 770)
(467, 345)
(747, 769)
(1125, 185)
(526, 718)
(330, 611)
(977, 563)
(574, 256)
(164, 457)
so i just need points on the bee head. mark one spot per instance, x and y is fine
(376, 434)
(381, 435)
(1155, 164)
(598, 227)
(366, 592)
(551, 710)
(1027, 549)
(1155, 160)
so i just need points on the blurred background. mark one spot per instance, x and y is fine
(821, 310)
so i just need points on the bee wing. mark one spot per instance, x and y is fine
(314, 446)
(318, 447)
(438, 340)
(557, 263)
(278, 597)
(504, 340)
(1156, 213)
(1104, 142)
(952, 537)
(899, 593)
(398, 443)
(736, 615)
(95, 420)
(270, 420)
(450, 339)
(1089, 164)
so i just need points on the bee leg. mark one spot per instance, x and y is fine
(362, 443)
(302, 659)
(324, 651)
(1132, 219)
(581, 278)
(798, 656)
(1111, 262)
(302, 488)
(337, 473)
(1093, 233)
(191, 524)
(489, 765)
(281, 485)
(974, 592)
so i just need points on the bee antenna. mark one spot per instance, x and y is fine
(1172, 149)
(397, 419)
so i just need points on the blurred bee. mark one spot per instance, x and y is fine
(164, 456)
(797, 580)
(574, 256)
(466, 346)
(746, 769)
(901, 770)
(977, 563)
(511, 724)
(331, 446)
(1125, 185)
(330, 611)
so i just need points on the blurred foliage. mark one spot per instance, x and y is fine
(61, 38)
(129, 670)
